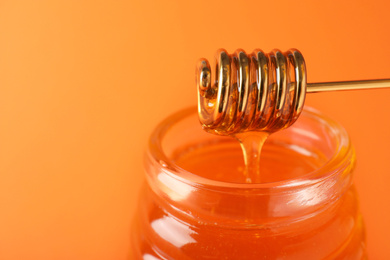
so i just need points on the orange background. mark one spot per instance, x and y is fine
(83, 83)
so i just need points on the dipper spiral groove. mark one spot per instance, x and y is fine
(256, 92)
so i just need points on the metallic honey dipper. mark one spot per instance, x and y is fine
(260, 91)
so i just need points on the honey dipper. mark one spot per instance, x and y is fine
(260, 91)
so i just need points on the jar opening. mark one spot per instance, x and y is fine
(314, 136)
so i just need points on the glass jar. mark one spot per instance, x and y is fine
(193, 205)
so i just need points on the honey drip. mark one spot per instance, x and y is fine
(251, 144)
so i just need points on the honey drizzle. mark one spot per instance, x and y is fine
(251, 144)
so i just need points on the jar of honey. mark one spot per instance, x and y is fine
(196, 204)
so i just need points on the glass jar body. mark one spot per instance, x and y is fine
(313, 214)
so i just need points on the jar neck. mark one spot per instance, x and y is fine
(248, 205)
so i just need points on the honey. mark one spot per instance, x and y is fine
(198, 203)
(224, 161)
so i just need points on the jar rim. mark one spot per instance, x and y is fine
(339, 160)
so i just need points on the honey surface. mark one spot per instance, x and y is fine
(225, 161)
